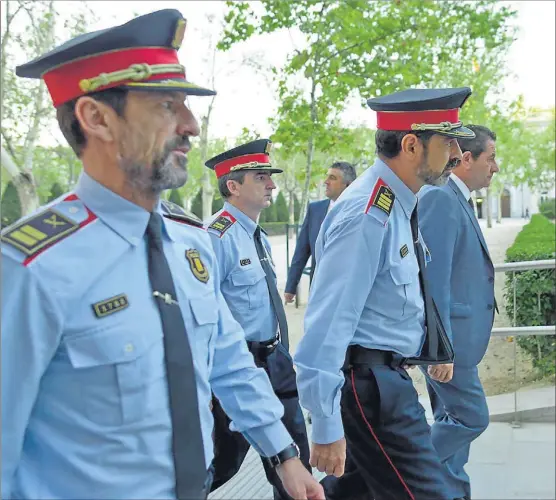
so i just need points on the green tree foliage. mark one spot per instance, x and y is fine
(282, 213)
(197, 204)
(175, 197)
(534, 290)
(56, 191)
(10, 207)
(217, 203)
(354, 46)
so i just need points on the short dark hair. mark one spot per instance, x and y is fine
(389, 143)
(238, 176)
(478, 144)
(348, 171)
(116, 98)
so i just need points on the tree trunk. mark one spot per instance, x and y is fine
(489, 208)
(207, 190)
(310, 153)
(499, 213)
(23, 182)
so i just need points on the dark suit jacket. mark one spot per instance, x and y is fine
(305, 247)
(460, 273)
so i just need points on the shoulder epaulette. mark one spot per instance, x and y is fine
(41, 231)
(382, 198)
(222, 223)
(175, 212)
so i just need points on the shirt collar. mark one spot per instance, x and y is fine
(461, 185)
(122, 216)
(404, 195)
(245, 221)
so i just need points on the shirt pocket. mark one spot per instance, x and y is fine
(205, 318)
(253, 283)
(404, 277)
(115, 368)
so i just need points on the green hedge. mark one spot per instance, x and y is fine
(535, 294)
(548, 208)
(274, 228)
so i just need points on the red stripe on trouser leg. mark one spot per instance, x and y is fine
(375, 437)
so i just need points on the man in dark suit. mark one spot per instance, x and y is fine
(339, 176)
(461, 277)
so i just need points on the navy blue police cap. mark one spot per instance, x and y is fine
(253, 155)
(435, 110)
(141, 54)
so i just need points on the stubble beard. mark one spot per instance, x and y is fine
(167, 171)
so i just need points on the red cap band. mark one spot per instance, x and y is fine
(225, 167)
(63, 81)
(403, 120)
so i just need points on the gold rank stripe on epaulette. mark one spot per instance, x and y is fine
(222, 223)
(381, 198)
(34, 235)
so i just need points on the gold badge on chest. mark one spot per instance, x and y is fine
(196, 264)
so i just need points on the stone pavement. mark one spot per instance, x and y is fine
(506, 463)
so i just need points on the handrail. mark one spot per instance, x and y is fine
(522, 331)
(525, 265)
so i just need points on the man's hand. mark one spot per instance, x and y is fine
(329, 458)
(298, 482)
(288, 297)
(441, 373)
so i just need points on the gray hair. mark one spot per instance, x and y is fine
(478, 144)
(238, 176)
(348, 171)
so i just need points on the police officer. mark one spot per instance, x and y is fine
(369, 313)
(248, 282)
(114, 330)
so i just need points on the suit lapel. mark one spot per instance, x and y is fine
(323, 207)
(471, 215)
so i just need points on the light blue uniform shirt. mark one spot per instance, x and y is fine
(365, 291)
(85, 409)
(242, 277)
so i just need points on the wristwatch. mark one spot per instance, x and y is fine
(292, 451)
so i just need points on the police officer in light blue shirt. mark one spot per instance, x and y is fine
(114, 329)
(370, 314)
(248, 283)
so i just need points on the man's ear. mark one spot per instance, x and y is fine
(466, 159)
(96, 118)
(411, 146)
(232, 186)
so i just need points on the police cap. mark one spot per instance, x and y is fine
(435, 110)
(251, 156)
(138, 55)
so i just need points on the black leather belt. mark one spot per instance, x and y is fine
(357, 356)
(262, 350)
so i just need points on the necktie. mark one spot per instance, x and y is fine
(272, 289)
(187, 440)
(471, 204)
(431, 342)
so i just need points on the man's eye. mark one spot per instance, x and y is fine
(168, 105)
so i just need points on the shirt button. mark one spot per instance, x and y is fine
(489, 307)
(129, 347)
(73, 210)
(134, 240)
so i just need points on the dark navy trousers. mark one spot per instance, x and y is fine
(390, 451)
(231, 447)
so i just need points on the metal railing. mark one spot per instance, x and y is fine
(520, 331)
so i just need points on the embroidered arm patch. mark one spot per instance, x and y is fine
(33, 234)
(222, 223)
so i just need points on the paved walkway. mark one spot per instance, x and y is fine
(506, 463)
